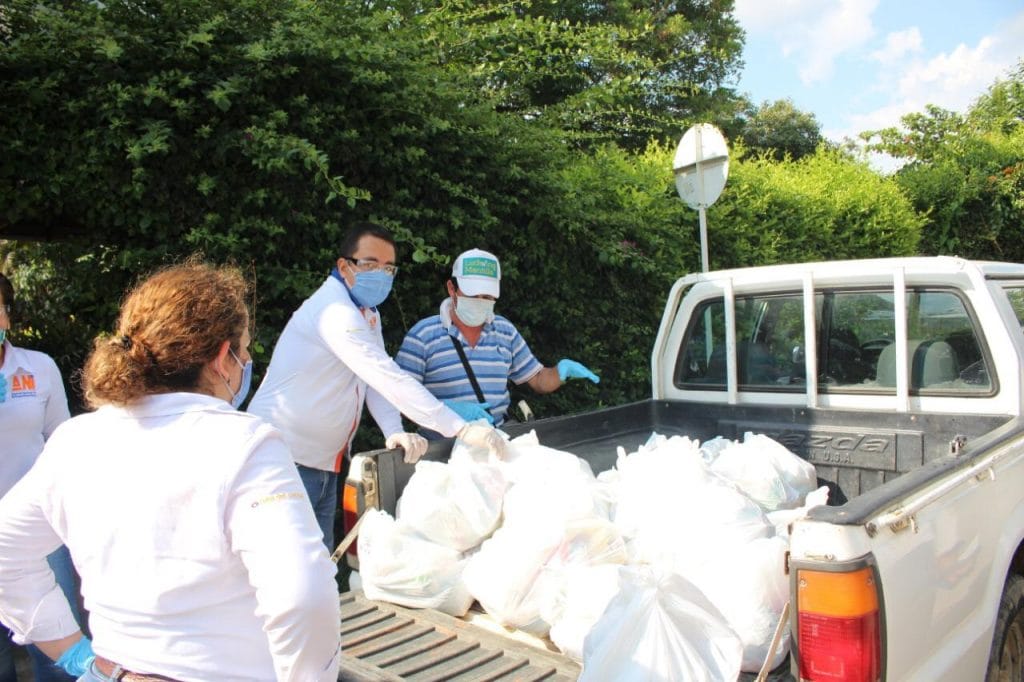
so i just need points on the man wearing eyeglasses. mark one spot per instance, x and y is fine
(466, 355)
(330, 360)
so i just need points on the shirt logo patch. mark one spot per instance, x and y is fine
(23, 385)
(278, 497)
(484, 267)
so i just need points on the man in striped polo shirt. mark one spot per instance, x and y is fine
(491, 346)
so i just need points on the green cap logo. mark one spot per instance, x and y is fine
(480, 267)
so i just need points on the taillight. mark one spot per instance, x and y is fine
(838, 630)
(349, 515)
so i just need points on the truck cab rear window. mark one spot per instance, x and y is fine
(855, 348)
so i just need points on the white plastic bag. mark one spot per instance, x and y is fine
(710, 449)
(767, 471)
(398, 566)
(660, 627)
(748, 585)
(583, 595)
(455, 505)
(554, 500)
(528, 460)
(585, 543)
(520, 570)
(670, 502)
(502, 574)
(783, 519)
(654, 481)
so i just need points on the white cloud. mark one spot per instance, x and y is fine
(883, 117)
(811, 32)
(841, 28)
(951, 80)
(772, 17)
(898, 45)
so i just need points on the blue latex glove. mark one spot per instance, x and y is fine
(470, 411)
(570, 369)
(78, 658)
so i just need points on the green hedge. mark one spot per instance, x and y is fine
(255, 132)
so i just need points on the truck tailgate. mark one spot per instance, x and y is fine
(383, 641)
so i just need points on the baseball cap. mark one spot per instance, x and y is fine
(477, 273)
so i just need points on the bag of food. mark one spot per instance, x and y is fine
(454, 505)
(583, 595)
(660, 627)
(398, 566)
(767, 471)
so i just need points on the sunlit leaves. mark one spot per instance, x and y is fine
(964, 172)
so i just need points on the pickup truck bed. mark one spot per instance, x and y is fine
(383, 641)
(853, 451)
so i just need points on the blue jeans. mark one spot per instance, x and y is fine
(44, 669)
(322, 489)
(8, 672)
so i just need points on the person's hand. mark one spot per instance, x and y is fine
(77, 659)
(470, 411)
(482, 436)
(413, 444)
(570, 369)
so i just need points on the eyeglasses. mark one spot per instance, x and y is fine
(368, 264)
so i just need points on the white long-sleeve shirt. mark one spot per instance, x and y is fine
(199, 554)
(329, 359)
(32, 404)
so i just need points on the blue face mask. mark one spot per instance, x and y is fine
(3, 335)
(371, 288)
(243, 389)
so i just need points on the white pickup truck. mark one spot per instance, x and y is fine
(901, 381)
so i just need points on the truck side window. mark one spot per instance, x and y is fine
(945, 353)
(702, 357)
(768, 329)
(1016, 296)
(853, 328)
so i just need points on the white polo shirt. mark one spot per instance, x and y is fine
(199, 553)
(329, 360)
(32, 404)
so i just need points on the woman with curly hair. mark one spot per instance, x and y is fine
(199, 554)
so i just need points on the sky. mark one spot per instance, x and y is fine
(860, 65)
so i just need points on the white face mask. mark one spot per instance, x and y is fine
(473, 311)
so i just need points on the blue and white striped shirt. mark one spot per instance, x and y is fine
(500, 354)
